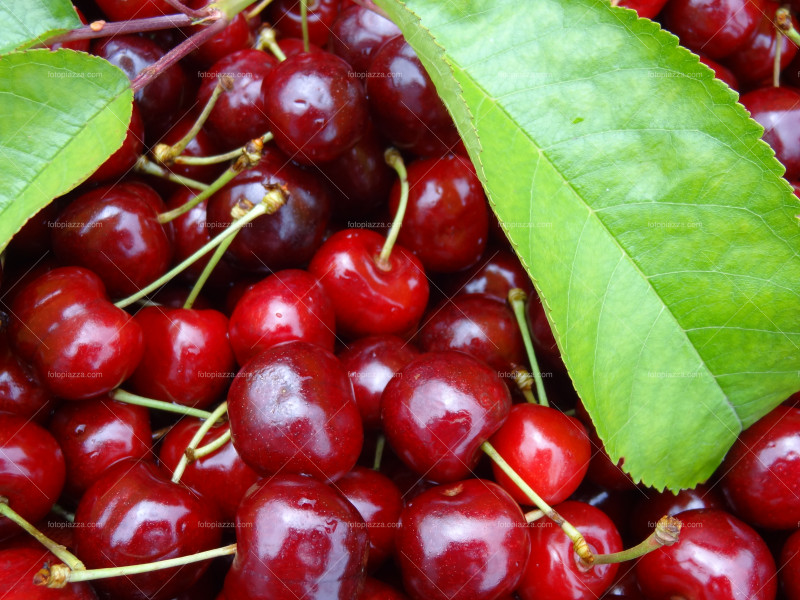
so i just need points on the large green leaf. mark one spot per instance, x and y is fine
(26, 22)
(654, 222)
(61, 115)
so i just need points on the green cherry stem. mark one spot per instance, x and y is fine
(196, 439)
(380, 444)
(126, 397)
(666, 533)
(210, 448)
(776, 64)
(266, 39)
(148, 167)
(783, 21)
(60, 551)
(534, 515)
(516, 298)
(218, 158)
(58, 576)
(258, 8)
(395, 160)
(578, 541)
(304, 24)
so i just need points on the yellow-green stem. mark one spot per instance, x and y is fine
(129, 398)
(148, 167)
(395, 160)
(196, 439)
(516, 298)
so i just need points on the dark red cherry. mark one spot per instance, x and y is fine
(316, 108)
(464, 540)
(134, 515)
(238, 35)
(287, 305)
(19, 565)
(778, 111)
(548, 449)
(292, 410)
(542, 335)
(114, 231)
(124, 10)
(718, 556)
(721, 72)
(651, 508)
(379, 502)
(375, 589)
(478, 325)
(646, 9)
(446, 223)
(121, 162)
(404, 102)
(357, 33)
(78, 343)
(439, 410)
(286, 239)
(716, 28)
(761, 472)
(187, 359)
(31, 470)
(96, 434)
(292, 45)
(554, 571)
(238, 116)
(21, 393)
(790, 567)
(372, 362)
(285, 17)
(369, 298)
(297, 538)
(201, 145)
(221, 476)
(616, 504)
(495, 274)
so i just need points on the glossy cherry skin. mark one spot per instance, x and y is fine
(19, 565)
(286, 19)
(375, 589)
(372, 362)
(464, 540)
(31, 470)
(292, 410)
(114, 231)
(721, 72)
(238, 35)
(316, 109)
(718, 556)
(286, 239)
(78, 343)
(238, 116)
(716, 28)
(122, 161)
(367, 298)
(651, 508)
(553, 571)
(96, 434)
(496, 274)
(357, 34)
(379, 502)
(124, 10)
(478, 325)
(297, 538)
(222, 476)
(447, 221)
(134, 515)
(21, 393)
(790, 567)
(646, 9)
(761, 472)
(439, 410)
(288, 305)
(187, 360)
(548, 449)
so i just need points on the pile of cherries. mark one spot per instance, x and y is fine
(326, 390)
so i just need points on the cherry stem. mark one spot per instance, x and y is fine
(217, 158)
(148, 167)
(395, 160)
(206, 273)
(578, 542)
(211, 447)
(196, 439)
(60, 551)
(776, 65)
(783, 21)
(517, 297)
(58, 576)
(183, 9)
(101, 29)
(666, 533)
(534, 515)
(304, 24)
(259, 7)
(524, 381)
(231, 8)
(267, 39)
(128, 398)
(380, 444)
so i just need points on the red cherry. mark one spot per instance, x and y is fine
(200, 146)
(778, 111)
(21, 393)
(721, 72)
(357, 34)
(124, 10)
(122, 161)
(238, 35)
(285, 16)
(495, 274)
(542, 335)
(19, 565)
(374, 589)
(790, 567)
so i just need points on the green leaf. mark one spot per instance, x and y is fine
(27, 22)
(61, 115)
(653, 221)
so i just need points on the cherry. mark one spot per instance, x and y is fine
(124, 10)
(657, 504)
(238, 35)
(496, 274)
(646, 9)
(375, 589)
(462, 540)
(187, 360)
(19, 565)
(133, 515)
(542, 335)
(721, 72)
(238, 116)
(379, 502)
(478, 325)
(96, 434)
(761, 472)
(21, 393)
(221, 476)
(316, 109)
(372, 362)
(778, 111)
(554, 570)
(297, 538)
(404, 102)
(79, 344)
(288, 305)
(33, 240)
(547, 448)
(357, 33)
(790, 567)
(201, 145)
(292, 410)
(286, 239)
(286, 18)
(439, 410)
(716, 28)
(123, 159)
(31, 470)
(370, 298)
(114, 231)
(292, 45)
(717, 557)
